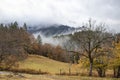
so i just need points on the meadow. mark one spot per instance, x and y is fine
(50, 66)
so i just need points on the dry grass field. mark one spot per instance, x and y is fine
(44, 64)
(11, 76)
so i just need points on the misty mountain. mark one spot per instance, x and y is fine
(52, 30)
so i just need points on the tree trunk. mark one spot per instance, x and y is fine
(104, 72)
(114, 72)
(99, 70)
(118, 72)
(91, 67)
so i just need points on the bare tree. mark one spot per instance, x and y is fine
(90, 41)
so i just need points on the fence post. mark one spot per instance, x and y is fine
(60, 71)
(69, 71)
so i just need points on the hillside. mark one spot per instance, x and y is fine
(44, 64)
(52, 30)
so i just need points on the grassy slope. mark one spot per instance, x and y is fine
(44, 64)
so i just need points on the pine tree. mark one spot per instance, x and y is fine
(25, 26)
(39, 40)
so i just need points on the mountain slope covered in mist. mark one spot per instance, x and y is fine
(52, 30)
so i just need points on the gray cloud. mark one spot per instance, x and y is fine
(70, 12)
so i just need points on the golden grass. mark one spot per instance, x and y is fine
(44, 64)
(34, 62)
(49, 77)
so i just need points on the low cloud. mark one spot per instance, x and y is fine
(52, 40)
(70, 12)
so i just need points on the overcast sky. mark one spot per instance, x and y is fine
(70, 12)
